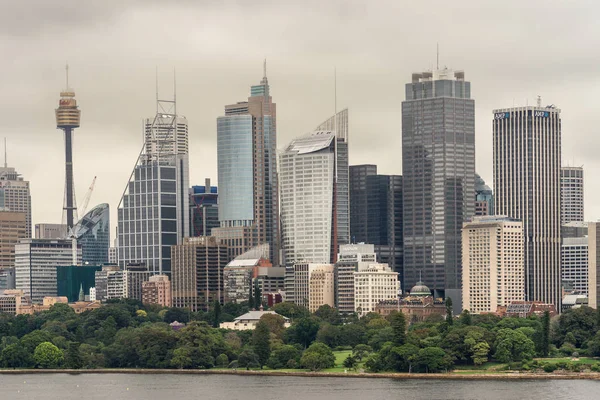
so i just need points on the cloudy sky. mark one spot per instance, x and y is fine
(511, 51)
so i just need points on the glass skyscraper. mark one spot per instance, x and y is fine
(92, 233)
(438, 164)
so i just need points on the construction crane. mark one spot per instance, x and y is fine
(88, 196)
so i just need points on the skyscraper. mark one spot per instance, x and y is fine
(359, 204)
(153, 214)
(438, 170)
(571, 194)
(484, 198)
(527, 160)
(92, 233)
(68, 116)
(204, 209)
(15, 195)
(247, 169)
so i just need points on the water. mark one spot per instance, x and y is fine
(232, 387)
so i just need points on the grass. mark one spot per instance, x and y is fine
(580, 360)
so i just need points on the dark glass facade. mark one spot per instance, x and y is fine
(92, 233)
(71, 279)
(438, 164)
(204, 209)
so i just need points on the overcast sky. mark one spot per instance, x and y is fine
(511, 51)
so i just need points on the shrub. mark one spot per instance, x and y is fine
(550, 367)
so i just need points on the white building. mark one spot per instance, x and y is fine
(372, 285)
(14, 194)
(92, 294)
(571, 194)
(321, 289)
(249, 320)
(527, 162)
(113, 255)
(35, 265)
(574, 254)
(493, 266)
(351, 258)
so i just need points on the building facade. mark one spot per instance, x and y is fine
(493, 264)
(574, 264)
(438, 171)
(50, 231)
(359, 202)
(71, 279)
(153, 213)
(204, 209)
(352, 258)
(373, 285)
(247, 168)
(571, 195)
(157, 290)
(92, 232)
(35, 265)
(321, 289)
(484, 198)
(594, 264)
(13, 227)
(527, 160)
(15, 195)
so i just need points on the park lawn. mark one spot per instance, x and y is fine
(488, 366)
(580, 360)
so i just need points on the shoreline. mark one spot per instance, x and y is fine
(397, 375)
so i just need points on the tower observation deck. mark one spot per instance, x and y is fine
(67, 118)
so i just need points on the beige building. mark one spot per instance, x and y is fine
(13, 227)
(157, 290)
(301, 288)
(493, 265)
(594, 264)
(249, 320)
(321, 289)
(373, 285)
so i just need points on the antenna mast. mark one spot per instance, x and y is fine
(437, 63)
(5, 162)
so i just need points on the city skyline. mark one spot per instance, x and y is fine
(369, 83)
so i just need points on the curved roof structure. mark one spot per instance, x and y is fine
(312, 142)
(89, 221)
(420, 289)
(480, 185)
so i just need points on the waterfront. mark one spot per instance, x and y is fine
(232, 387)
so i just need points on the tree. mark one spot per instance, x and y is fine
(303, 331)
(72, 357)
(182, 357)
(329, 334)
(177, 314)
(465, 318)
(360, 351)
(291, 310)
(222, 361)
(545, 340)
(260, 342)
(449, 317)
(398, 323)
(276, 324)
(248, 359)
(33, 339)
(217, 313)
(480, 353)
(47, 355)
(433, 359)
(282, 355)
(328, 314)
(257, 295)
(513, 345)
(250, 297)
(16, 356)
(317, 357)
(350, 362)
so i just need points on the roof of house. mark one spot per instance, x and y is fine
(255, 315)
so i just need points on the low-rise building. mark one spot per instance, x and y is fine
(321, 288)
(373, 285)
(526, 309)
(417, 305)
(249, 320)
(157, 290)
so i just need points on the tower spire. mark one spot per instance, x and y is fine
(437, 61)
(67, 76)
(265, 68)
(5, 161)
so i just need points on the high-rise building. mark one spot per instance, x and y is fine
(50, 231)
(527, 187)
(204, 209)
(153, 214)
(247, 168)
(571, 194)
(92, 233)
(197, 278)
(35, 265)
(15, 195)
(113, 255)
(484, 198)
(594, 264)
(101, 282)
(239, 277)
(321, 289)
(157, 290)
(309, 210)
(13, 227)
(302, 276)
(493, 263)
(375, 284)
(376, 213)
(68, 117)
(574, 264)
(71, 279)
(352, 258)
(438, 171)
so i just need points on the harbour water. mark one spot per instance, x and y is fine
(233, 387)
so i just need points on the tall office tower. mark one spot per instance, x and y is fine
(310, 213)
(438, 170)
(352, 258)
(376, 213)
(153, 214)
(101, 281)
(574, 264)
(92, 233)
(375, 284)
(12, 229)
(35, 265)
(321, 288)
(247, 168)
(527, 187)
(50, 231)
(571, 194)
(68, 117)
(14, 194)
(594, 264)
(113, 255)
(493, 263)
(204, 209)
(484, 198)
(197, 279)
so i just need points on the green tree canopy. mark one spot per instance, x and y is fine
(47, 355)
(317, 357)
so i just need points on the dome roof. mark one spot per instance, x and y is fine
(420, 289)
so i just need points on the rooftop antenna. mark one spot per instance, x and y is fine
(67, 75)
(174, 92)
(156, 78)
(265, 68)
(539, 101)
(5, 163)
(335, 99)
(438, 56)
